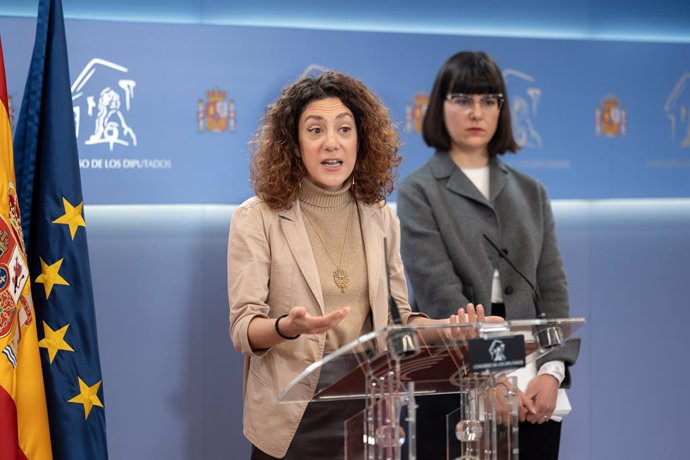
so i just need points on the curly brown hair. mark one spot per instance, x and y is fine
(276, 169)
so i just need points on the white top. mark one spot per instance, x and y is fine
(480, 179)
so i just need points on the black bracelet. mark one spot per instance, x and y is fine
(286, 337)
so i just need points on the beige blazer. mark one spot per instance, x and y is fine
(271, 269)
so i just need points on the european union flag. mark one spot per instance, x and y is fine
(50, 196)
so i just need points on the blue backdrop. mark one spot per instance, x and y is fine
(164, 113)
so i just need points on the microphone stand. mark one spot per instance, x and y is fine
(547, 337)
(401, 341)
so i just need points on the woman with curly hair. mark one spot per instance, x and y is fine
(306, 267)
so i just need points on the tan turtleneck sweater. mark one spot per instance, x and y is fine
(326, 220)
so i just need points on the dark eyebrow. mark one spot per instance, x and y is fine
(338, 117)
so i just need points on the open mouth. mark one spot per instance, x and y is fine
(332, 162)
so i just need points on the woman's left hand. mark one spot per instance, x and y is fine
(468, 314)
(471, 315)
(541, 392)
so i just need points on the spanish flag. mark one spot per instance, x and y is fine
(24, 432)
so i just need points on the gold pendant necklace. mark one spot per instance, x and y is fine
(341, 277)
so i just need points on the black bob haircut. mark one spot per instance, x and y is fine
(468, 72)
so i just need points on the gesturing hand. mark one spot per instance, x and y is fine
(299, 321)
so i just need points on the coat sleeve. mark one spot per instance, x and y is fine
(436, 288)
(553, 289)
(551, 279)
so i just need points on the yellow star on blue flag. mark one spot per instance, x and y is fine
(54, 341)
(88, 397)
(50, 276)
(72, 217)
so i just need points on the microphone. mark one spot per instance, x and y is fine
(535, 292)
(400, 340)
(548, 337)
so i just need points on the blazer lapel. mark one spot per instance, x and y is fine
(372, 235)
(292, 224)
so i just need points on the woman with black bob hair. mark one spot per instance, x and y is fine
(462, 193)
(468, 73)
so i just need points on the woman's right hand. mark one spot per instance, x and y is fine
(263, 332)
(300, 321)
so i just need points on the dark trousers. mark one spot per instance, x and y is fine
(320, 435)
(536, 442)
(321, 432)
(431, 425)
(539, 442)
(258, 454)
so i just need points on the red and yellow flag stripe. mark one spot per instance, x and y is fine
(24, 431)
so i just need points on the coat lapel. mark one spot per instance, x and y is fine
(497, 174)
(443, 167)
(292, 224)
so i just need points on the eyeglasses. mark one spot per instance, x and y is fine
(489, 103)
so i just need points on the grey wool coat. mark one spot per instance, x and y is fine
(449, 263)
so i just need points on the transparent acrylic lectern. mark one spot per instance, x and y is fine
(390, 366)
